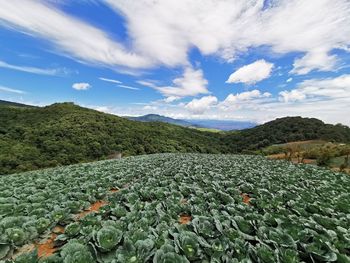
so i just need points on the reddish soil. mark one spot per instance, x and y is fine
(281, 156)
(246, 198)
(346, 170)
(278, 156)
(309, 161)
(58, 230)
(47, 248)
(185, 219)
(93, 208)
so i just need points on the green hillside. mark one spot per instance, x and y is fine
(14, 104)
(64, 133)
(283, 130)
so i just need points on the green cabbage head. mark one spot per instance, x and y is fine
(74, 252)
(108, 237)
(16, 235)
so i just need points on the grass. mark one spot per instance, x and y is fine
(277, 151)
(208, 130)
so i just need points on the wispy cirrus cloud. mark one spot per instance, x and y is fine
(119, 83)
(111, 80)
(225, 29)
(70, 36)
(128, 87)
(11, 90)
(34, 70)
(229, 28)
(191, 83)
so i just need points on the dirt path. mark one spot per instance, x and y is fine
(93, 208)
(47, 247)
(281, 156)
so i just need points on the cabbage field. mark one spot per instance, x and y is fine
(176, 208)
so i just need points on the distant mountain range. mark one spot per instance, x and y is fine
(224, 125)
(160, 118)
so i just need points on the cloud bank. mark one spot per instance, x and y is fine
(221, 28)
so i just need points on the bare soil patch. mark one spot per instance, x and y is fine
(93, 208)
(185, 219)
(246, 199)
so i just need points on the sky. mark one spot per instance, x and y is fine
(192, 59)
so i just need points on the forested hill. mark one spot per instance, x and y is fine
(64, 133)
(14, 104)
(284, 130)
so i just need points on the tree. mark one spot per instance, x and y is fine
(345, 151)
(325, 156)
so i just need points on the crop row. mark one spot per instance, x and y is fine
(179, 208)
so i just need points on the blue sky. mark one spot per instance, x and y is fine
(204, 59)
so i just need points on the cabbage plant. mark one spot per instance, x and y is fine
(75, 252)
(296, 213)
(108, 237)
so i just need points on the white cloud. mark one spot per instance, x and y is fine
(150, 107)
(34, 70)
(70, 35)
(327, 99)
(119, 83)
(11, 90)
(191, 83)
(128, 87)
(227, 28)
(104, 109)
(246, 99)
(163, 32)
(290, 96)
(147, 83)
(252, 73)
(319, 60)
(81, 86)
(171, 99)
(199, 106)
(247, 95)
(328, 89)
(289, 80)
(111, 80)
